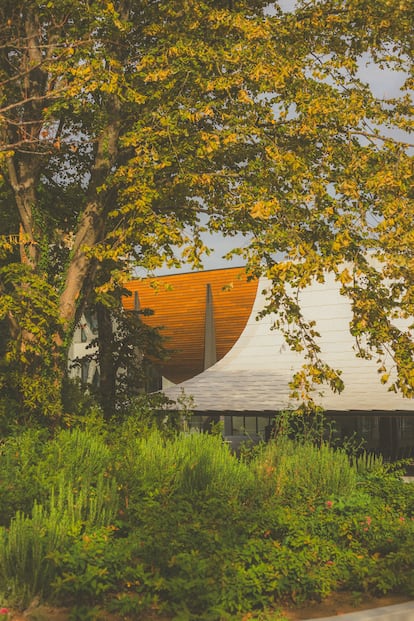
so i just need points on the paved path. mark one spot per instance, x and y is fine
(399, 612)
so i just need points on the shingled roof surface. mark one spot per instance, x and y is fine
(254, 375)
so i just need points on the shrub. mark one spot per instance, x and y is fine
(25, 552)
(189, 465)
(178, 524)
(33, 465)
(21, 458)
(77, 497)
(300, 472)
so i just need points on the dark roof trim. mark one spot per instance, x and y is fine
(326, 413)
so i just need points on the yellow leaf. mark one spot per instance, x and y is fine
(345, 277)
(243, 96)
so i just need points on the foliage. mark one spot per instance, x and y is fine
(26, 544)
(179, 525)
(72, 463)
(61, 491)
(20, 458)
(126, 350)
(85, 570)
(25, 385)
(295, 469)
(195, 465)
(126, 129)
(145, 413)
(34, 545)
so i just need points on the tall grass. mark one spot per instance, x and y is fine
(79, 457)
(188, 464)
(77, 496)
(300, 470)
(26, 551)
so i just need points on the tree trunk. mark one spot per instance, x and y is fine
(91, 226)
(107, 367)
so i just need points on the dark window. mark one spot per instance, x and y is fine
(84, 336)
(96, 379)
(84, 371)
(92, 321)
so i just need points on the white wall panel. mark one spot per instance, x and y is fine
(255, 373)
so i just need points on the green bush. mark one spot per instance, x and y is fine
(298, 471)
(26, 548)
(86, 569)
(69, 475)
(187, 500)
(191, 466)
(33, 465)
(179, 524)
(21, 458)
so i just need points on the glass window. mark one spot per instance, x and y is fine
(238, 425)
(84, 336)
(84, 371)
(92, 321)
(264, 426)
(250, 425)
(96, 378)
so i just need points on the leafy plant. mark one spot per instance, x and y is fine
(25, 563)
(178, 524)
(300, 471)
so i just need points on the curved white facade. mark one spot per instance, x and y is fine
(255, 374)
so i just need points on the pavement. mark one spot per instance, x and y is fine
(398, 612)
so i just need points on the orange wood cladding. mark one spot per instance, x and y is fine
(179, 305)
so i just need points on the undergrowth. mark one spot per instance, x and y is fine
(178, 524)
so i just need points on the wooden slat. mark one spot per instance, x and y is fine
(179, 303)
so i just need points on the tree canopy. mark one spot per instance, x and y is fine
(129, 127)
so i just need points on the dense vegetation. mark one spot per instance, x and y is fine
(129, 128)
(172, 523)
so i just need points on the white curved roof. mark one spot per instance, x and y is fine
(254, 375)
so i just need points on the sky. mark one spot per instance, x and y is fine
(384, 84)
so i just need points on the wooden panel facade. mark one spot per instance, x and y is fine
(179, 305)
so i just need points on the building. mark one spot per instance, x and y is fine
(81, 348)
(237, 368)
(201, 316)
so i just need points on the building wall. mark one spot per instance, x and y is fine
(255, 374)
(85, 332)
(179, 305)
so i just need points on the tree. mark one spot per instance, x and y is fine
(346, 201)
(128, 127)
(126, 350)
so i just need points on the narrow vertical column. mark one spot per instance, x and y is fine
(137, 304)
(210, 354)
